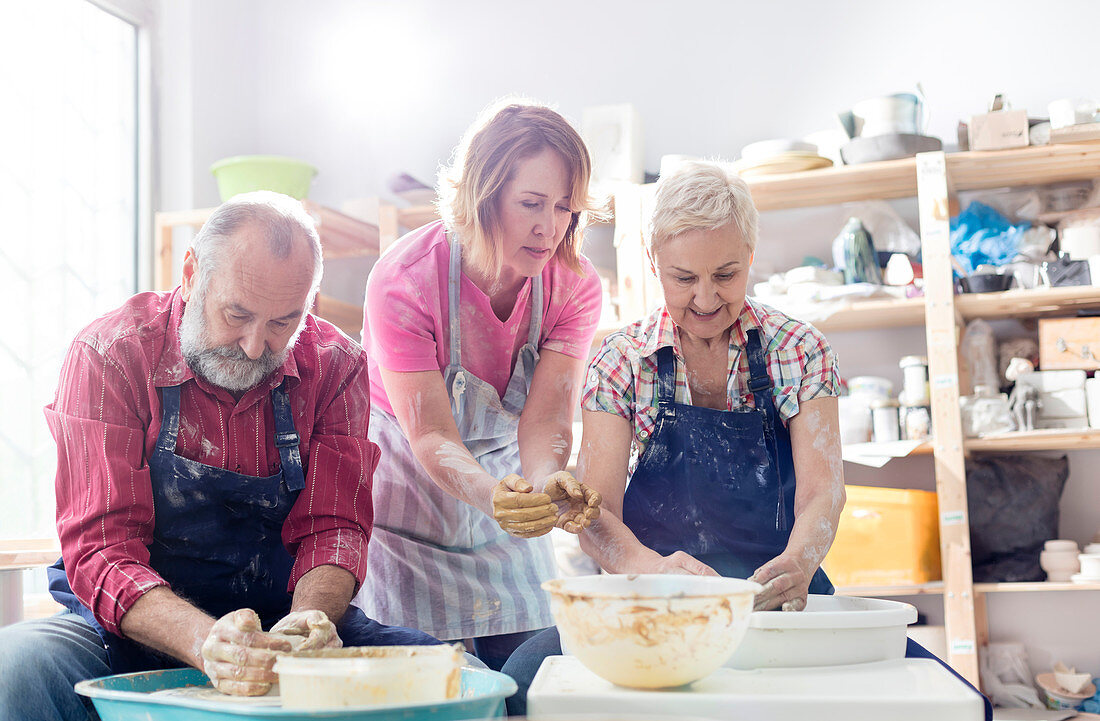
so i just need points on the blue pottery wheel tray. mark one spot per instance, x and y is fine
(129, 697)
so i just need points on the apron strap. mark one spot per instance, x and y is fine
(169, 419)
(287, 440)
(759, 380)
(535, 330)
(454, 280)
(760, 384)
(666, 380)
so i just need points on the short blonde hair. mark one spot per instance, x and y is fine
(702, 195)
(469, 189)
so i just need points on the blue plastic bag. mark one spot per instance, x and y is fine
(981, 235)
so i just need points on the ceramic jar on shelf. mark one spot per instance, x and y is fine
(1059, 559)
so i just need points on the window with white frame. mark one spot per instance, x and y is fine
(68, 219)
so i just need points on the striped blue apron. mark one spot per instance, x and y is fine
(434, 562)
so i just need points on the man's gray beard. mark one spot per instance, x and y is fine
(227, 367)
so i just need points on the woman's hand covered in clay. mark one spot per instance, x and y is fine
(306, 630)
(520, 511)
(786, 583)
(682, 563)
(577, 504)
(238, 656)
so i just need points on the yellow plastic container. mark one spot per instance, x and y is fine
(886, 537)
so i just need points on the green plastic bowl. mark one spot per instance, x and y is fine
(245, 173)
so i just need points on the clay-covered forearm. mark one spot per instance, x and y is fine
(451, 466)
(543, 448)
(162, 620)
(615, 547)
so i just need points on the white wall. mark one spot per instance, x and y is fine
(365, 90)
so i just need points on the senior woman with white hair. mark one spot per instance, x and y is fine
(710, 426)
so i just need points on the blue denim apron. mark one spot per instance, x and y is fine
(718, 485)
(217, 541)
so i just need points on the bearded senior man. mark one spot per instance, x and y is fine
(212, 460)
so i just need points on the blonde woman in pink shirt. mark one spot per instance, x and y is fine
(477, 329)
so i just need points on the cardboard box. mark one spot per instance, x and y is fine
(998, 130)
(1069, 343)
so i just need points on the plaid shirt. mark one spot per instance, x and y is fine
(622, 377)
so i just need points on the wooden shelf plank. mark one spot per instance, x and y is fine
(1043, 440)
(1035, 586)
(936, 587)
(1033, 303)
(916, 589)
(827, 186)
(890, 179)
(875, 314)
(1037, 165)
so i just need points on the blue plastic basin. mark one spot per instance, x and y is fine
(127, 697)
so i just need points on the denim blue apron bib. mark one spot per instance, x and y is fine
(218, 541)
(718, 485)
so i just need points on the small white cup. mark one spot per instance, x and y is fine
(1065, 112)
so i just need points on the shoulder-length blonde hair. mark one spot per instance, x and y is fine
(485, 160)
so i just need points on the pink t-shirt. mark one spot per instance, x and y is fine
(406, 324)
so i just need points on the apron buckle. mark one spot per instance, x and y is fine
(289, 438)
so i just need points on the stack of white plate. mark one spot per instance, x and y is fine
(781, 155)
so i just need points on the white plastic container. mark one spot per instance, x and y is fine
(832, 631)
(369, 676)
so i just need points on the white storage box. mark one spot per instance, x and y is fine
(833, 630)
(1063, 404)
(1051, 381)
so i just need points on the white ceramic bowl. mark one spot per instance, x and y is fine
(651, 631)
(831, 631)
(369, 676)
(1059, 545)
(1058, 697)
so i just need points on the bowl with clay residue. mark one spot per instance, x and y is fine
(651, 631)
